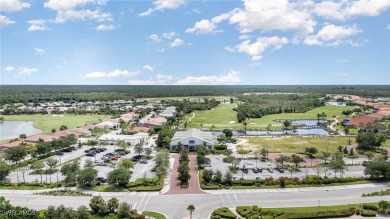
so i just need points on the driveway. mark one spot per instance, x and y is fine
(194, 187)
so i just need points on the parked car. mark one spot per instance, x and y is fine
(245, 170)
(72, 148)
(101, 179)
(122, 153)
(114, 158)
(255, 170)
(270, 170)
(60, 153)
(280, 169)
(109, 154)
(105, 158)
(258, 178)
(90, 154)
(86, 151)
(102, 163)
(96, 161)
(143, 161)
(136, 158)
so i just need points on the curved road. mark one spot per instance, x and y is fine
(174, 206)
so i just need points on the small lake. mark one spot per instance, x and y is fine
(12, 129)
(337, 103)
(305, 122)
(317, 131)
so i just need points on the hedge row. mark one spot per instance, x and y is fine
(320, 214)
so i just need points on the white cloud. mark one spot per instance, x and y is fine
(154, 38)
(387, 27)
(158, 79)
(104, 27)
(5, 21)
(148, 68)
(177, 42)
(169, 35)
(268, 15)
(39, 51)
(161, 5)
(257, 48)
(203, 27)
(367, 7)
(113, 74)
(8, 68)
(97, 15)
(333, 33)
(24, 71)
(37, 25)
(63, 5)
(231, 78)
(196, 11)
(13, 5)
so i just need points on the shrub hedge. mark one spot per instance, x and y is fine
(223, 213)
(368, 213)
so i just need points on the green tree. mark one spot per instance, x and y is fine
(296, 160)
(112, 205)
(325, 156)
(217, 177)
(123, 210)
(97, 204)
(207, 175)
(311, 151)
(384, 205)
(338, 164)
(83, 212)
(87, 177)
(191, 209)
(70, 171)
(264, 153)
(16, 154)
(286, 124)
(23, 136)
(38, 167)
(228, 133)
(120, 176)
(139, 149)
(378, 169)
(148, 152)
(53, 130)
(5, 170)
(281, 159)
(122, 144)
(228, 178)
(63, 127)
(51, 163)
(126, 163)
(89, 164)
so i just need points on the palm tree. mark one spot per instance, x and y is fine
(245, 124)
(318, 118)
(286, 124)
(191, 208)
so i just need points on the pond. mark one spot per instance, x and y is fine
(12, 129)
(337, 103)
(305, 122)
(317, 131)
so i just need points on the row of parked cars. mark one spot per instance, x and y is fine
(260, 170)
(68, 149)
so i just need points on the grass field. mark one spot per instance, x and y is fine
(297, 144)
(47, 122)
(223, 116)
(153, 214)
(317, 208)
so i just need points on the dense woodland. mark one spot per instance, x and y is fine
(43, 93)
(256, 106)
(186, 106)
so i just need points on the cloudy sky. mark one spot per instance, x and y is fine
(195, 42)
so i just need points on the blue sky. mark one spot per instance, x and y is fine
(195, 42)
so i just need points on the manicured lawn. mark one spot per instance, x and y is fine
(47, 122)
(223, 116)
(194, 98)
(297, 144)
(153, 214)
(21, 187)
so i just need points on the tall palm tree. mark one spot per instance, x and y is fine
(245, 124)
(191, 208)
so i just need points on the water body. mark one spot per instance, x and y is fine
(337, 103)
(317, 131)
(12, 129)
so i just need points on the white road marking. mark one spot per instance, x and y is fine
(230, 200)
(222, 197)
(135, 205)
(146, 203)
(142, 200)
(235, 196)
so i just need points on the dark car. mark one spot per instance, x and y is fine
(255, 170)
(143, 161)
(60, 153)
(280, 169)
(122, 153)
(86, 151)
(91, 154)
(110, 154)
(270, 170)
(101, 179)
(245, 170)
(72, 148)
(136, 158)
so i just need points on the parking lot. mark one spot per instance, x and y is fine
(139, 171)
(218, 164)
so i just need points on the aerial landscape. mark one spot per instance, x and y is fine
(179, 109)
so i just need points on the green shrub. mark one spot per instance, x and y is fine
(370, 207)
(368, 213)
(256, 208)
(357, 212)
(220, 147)
(224, 213)
(255, 216)
(268, 217)
(229, 159)
(244, 210)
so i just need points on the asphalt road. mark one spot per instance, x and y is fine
(174, 206)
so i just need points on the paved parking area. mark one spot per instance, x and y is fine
(218, 164)
(139, 170)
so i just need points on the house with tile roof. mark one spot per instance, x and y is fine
(191, 138)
